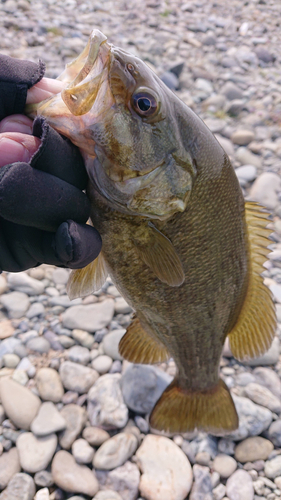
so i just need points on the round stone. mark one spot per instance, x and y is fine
(38, 344)
(49, 385)
(107, 495)
(48, 420)
(9, 466)
(72, 477)
(75, 418)
(115, 451)
(253, 448)
(102, 364)
(16, 303)
(35, 453)
(79, 354)
(95, 435)
(11, 360)
(20, 404)
(60, 276)
(224, 465)
(76, 377)
(110, 343)
(82, 451)
(239, 486)
(272, 467)
(106, 405)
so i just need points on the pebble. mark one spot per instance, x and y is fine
(268, 378)
(202, 486)
(49, 385)
(106, 405)
(38, 344)
(253, 448)
(82, 451)
(272, 467)
(239, 486)
(142, 386)
(242, 137)
(231, 91)
(19, 403)
(115, 451)
(91, 317)
(20, 376)
(36, 309)
(76, 377)
(9, 466)
(86, 339)
(274, 433)
(253, 419)
(246, 173)
(35, 453)
(110, 343)
(79, 354)
(6, 328)
(48, 420)
(124, 480)
(21, 282)
(95, 436)
(107, 495)
(224, 465)
(11, 360)
(121, 306)
(42, 494)
(43, 478)
(3, 284)
(263, 396)
(60, 276)
(265, 189)
(102, 364)
(75, 418)
(21, 487)
(219, 492)
(72, 477)
(16, 303)
(166, 471)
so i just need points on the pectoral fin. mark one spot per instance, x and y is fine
(138, 346)
(158, 253)
(83, 282)
(255, 328)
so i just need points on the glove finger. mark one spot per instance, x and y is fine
(45, 204)
(77, 245)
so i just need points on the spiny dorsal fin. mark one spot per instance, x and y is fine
(138, 346)
(254, 330)
(83, 282)
(180, 410)
(159, 254)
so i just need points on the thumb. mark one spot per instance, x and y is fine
(16, 147)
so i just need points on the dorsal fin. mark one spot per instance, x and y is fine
(254, 330)
(83, 282)
(138, 346)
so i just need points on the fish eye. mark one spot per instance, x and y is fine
(144, 103)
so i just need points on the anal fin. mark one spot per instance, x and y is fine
(83, 282)
(180, 410)
(255, 328)
(137, 346)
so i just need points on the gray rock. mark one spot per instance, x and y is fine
(36, 309)
(95, 436)
(79, 354)
(253, 448)
(110, 343)
(21, 487)
(38, 344)
(75, 418)
(268, 378)
(21, 282)
(49, 385)
(234, 107)
(16, 303)
(202, 486)
(224, 465)
(20, 404)
(124, 480)
(72, 477)
(246, 173)
(115, 451)
(253, 419)
(77, 377)
(102, 364)
(242, 137)
(8, 346)
(60, 276)
(121, 306)
(247, 158)
(64, 301)
(244, 378)
(239, 486)
(9, 466)
(231, 91)
(82, 451)
(48, 420)
(265, 189)
(106, 405)
(84, 338)
(274, 433)
(35, 453)
(91, 317)
(269, 358)
(170, 79)
(263, 396)
(44, 479)
(107, 495)
(264, 55)
(219, 492)
(272, 467)
(142, 386)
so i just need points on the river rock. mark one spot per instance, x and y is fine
(82, 451)
(202, 486)
(9, 466)
(110, 343)
(270, 357)
(36, 309)
(239, 486)
(48, 420)
(72, 477)
(16, 303)
(6, 328)
(124, 480)
(19, 403)
(272, 467)
(115, 451)
(224, 465)
(265, 189)
(142, 386)
(38, 344)
(247, 158)
(75, 418)
(242, 137)
(91, 317)
(49, 385)
(60, 276)
(42, 494)
(253, 448)
(263, 396)
(231, 91)
(43, 478)
(86, 339)
(21, 487)
(95, 436)
(253, 419)
(35, 453)
(102, 364)
(274, 433)
(11, 360)
(167, 474)
(21, 282)
(107, 495)
(106, 406)
(268, 378)
(77, 377)
(79, 354)
(246, 173)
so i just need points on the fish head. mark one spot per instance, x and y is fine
(124, 120)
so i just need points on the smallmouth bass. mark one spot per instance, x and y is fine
(179, 242)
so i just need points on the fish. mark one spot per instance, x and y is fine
(179, 242)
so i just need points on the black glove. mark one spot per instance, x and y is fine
(40, 201)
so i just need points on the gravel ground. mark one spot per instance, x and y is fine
(73, 414)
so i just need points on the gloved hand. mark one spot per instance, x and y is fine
(42, 207)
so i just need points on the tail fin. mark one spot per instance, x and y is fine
(179, 410)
